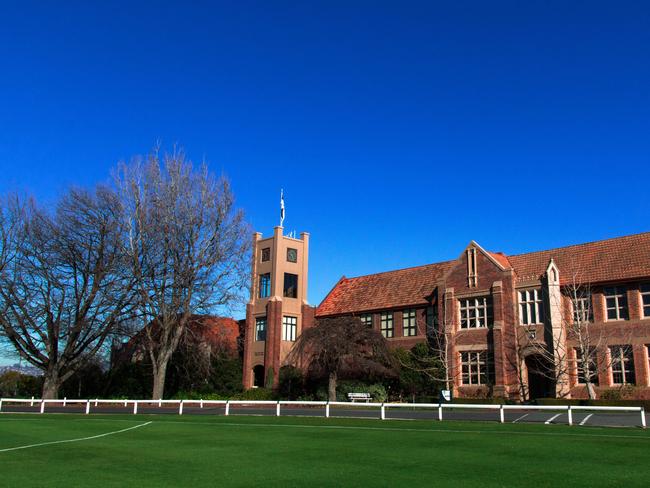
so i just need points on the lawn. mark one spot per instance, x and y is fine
(267, 451)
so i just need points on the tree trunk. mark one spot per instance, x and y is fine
(51, 385)
(591, 391)
(331, 386)
(159, 375)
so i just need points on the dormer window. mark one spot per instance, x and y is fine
(472, 272)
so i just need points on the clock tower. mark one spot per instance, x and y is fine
(277, 310)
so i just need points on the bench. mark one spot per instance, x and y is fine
(359, 396)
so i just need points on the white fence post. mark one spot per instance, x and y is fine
(180, 408)
(0, 404)
(501, 416)
(440, 411)
(569, 414)
(327, 409)
(87, 407)
(96, 399)
(126, 403)
(201, 402)
(382, 415)
(642, 417)
(227, 407)
(135, 407)
(159, 402)
(277, 409)
(42, 406)
(32, 402)
(65, 399)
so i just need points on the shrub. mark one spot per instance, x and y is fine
(377, 391)
(291, 383)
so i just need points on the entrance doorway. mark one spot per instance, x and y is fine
(540, 382)
(258, 376)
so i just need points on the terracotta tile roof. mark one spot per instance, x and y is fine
(410, 286)
(620, 258)
(502, 259)
(614, 259)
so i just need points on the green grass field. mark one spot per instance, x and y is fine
(249, 451)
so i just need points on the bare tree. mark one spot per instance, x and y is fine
(187, 247)
(335, 345)
(63, 286)
(579, 348)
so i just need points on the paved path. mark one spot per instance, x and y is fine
(602, 419)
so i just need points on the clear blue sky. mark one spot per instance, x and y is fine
(399, 131)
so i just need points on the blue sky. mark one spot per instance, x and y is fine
(398, 130)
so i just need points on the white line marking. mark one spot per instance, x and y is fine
(518, 419)
(552, 418)
(584, 420)
(75, 440)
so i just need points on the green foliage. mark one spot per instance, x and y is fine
(377, 390)
(17, 385)
(130, 380)
(417, 371)
(291, 383)
(256, 394)
(88, 382)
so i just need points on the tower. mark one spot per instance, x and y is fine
(277, 310)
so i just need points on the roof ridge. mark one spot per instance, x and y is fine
(400, 269)
(578, 245)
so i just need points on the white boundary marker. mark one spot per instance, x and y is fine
(584, 420)
(520, 418)
(75, 440)
(552, 418)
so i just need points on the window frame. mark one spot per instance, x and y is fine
(592, 368)
(475, 312)
(623, 356)
(286, 289)
(533, 302)
(289, 328)
(260, 330)
(387, 324)
(265, 255)
(366, 319)
(410, 315)
(619, 295)
(587, 314)
(264, 286)
(474, 368)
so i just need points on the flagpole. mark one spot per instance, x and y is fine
(281, 207)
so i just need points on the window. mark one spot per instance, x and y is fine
(265, 285)
(367, 320)
(645, 299)
(409, 321)
(289, 326)
(475, 367)
(292, 255)
(475, 313)
(616, 302)
(290, 285)
(530, 307)
(582, 309)
(587, 368)
(386, 323)
(260, 329)
(266, 254)
(622, 365)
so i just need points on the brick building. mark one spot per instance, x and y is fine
(509, 322)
